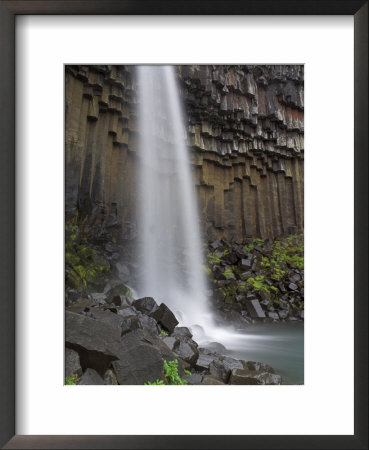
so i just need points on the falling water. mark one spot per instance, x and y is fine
(171, 264)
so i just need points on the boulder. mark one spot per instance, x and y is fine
(138, 361)
(231, 363)
(127, 312)
(210, 379)
(241, 376)
(170, 341)
(148, 323)
(72, 363)
(203, 361)
(182, 332)
(293, 287)
(164, 316)
(254, 308)
(218, 370)
(187, 350)
(96, 342)
(107, 317)
(216, 347)
(194, 378)
(90, 376)
(269, 378)
(146, 305)
(98, 298)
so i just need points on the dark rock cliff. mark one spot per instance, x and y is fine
(245, 129)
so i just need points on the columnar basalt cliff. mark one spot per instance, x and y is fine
(245, 130)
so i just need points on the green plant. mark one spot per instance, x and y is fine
(81, 263)
(155, 383)
(72, 380)
(163, 333)
(213, 258)
(171, 373)
(128, 293)
(207, 270)
(187, 372)
(228, 273)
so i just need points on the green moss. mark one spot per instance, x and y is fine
(81, 263)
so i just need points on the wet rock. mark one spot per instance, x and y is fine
(96, 342)
(210, 379)
(231, 258)
(293, 287)
(164, 316)
(254, 309)
(231, 363)
(216, 244)
(120, 301)
(269, 378)
(242, 377)
(72, 363)
(216, 347)
(90, 377)
(146, 305)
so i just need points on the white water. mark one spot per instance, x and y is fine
(171, 263)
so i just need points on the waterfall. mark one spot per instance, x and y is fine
(170, 249)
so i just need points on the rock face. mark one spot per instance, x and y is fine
(244, 128)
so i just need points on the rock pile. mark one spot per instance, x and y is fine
(256, 281)
(113, 339)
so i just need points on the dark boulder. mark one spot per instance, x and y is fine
(216, 347)
(128, 312)
(96, 342)
(218, 370)
(170, 341)
(182, 332)
(240, 376)
(146, 305)
(210, 379)
(203, 362)
(72, 363)
(269, 378)
(91, 377)
(187, 350)
(81, 305)
(148, 323)
(194, 378)
(138, 362)
(164, 316)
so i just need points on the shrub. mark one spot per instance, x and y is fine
(155, 383)
(171, 373)
(72, 380)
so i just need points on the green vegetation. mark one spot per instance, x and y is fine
(170, 375)
(163, 333)
(81, 262)
(187, 372)
(155, 383)
(72, 380)
(213, 258)
(228, 273)
(207, 270)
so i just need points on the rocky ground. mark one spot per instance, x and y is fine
(257, 281)
(112, 338)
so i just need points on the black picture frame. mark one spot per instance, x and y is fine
(8, 12)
